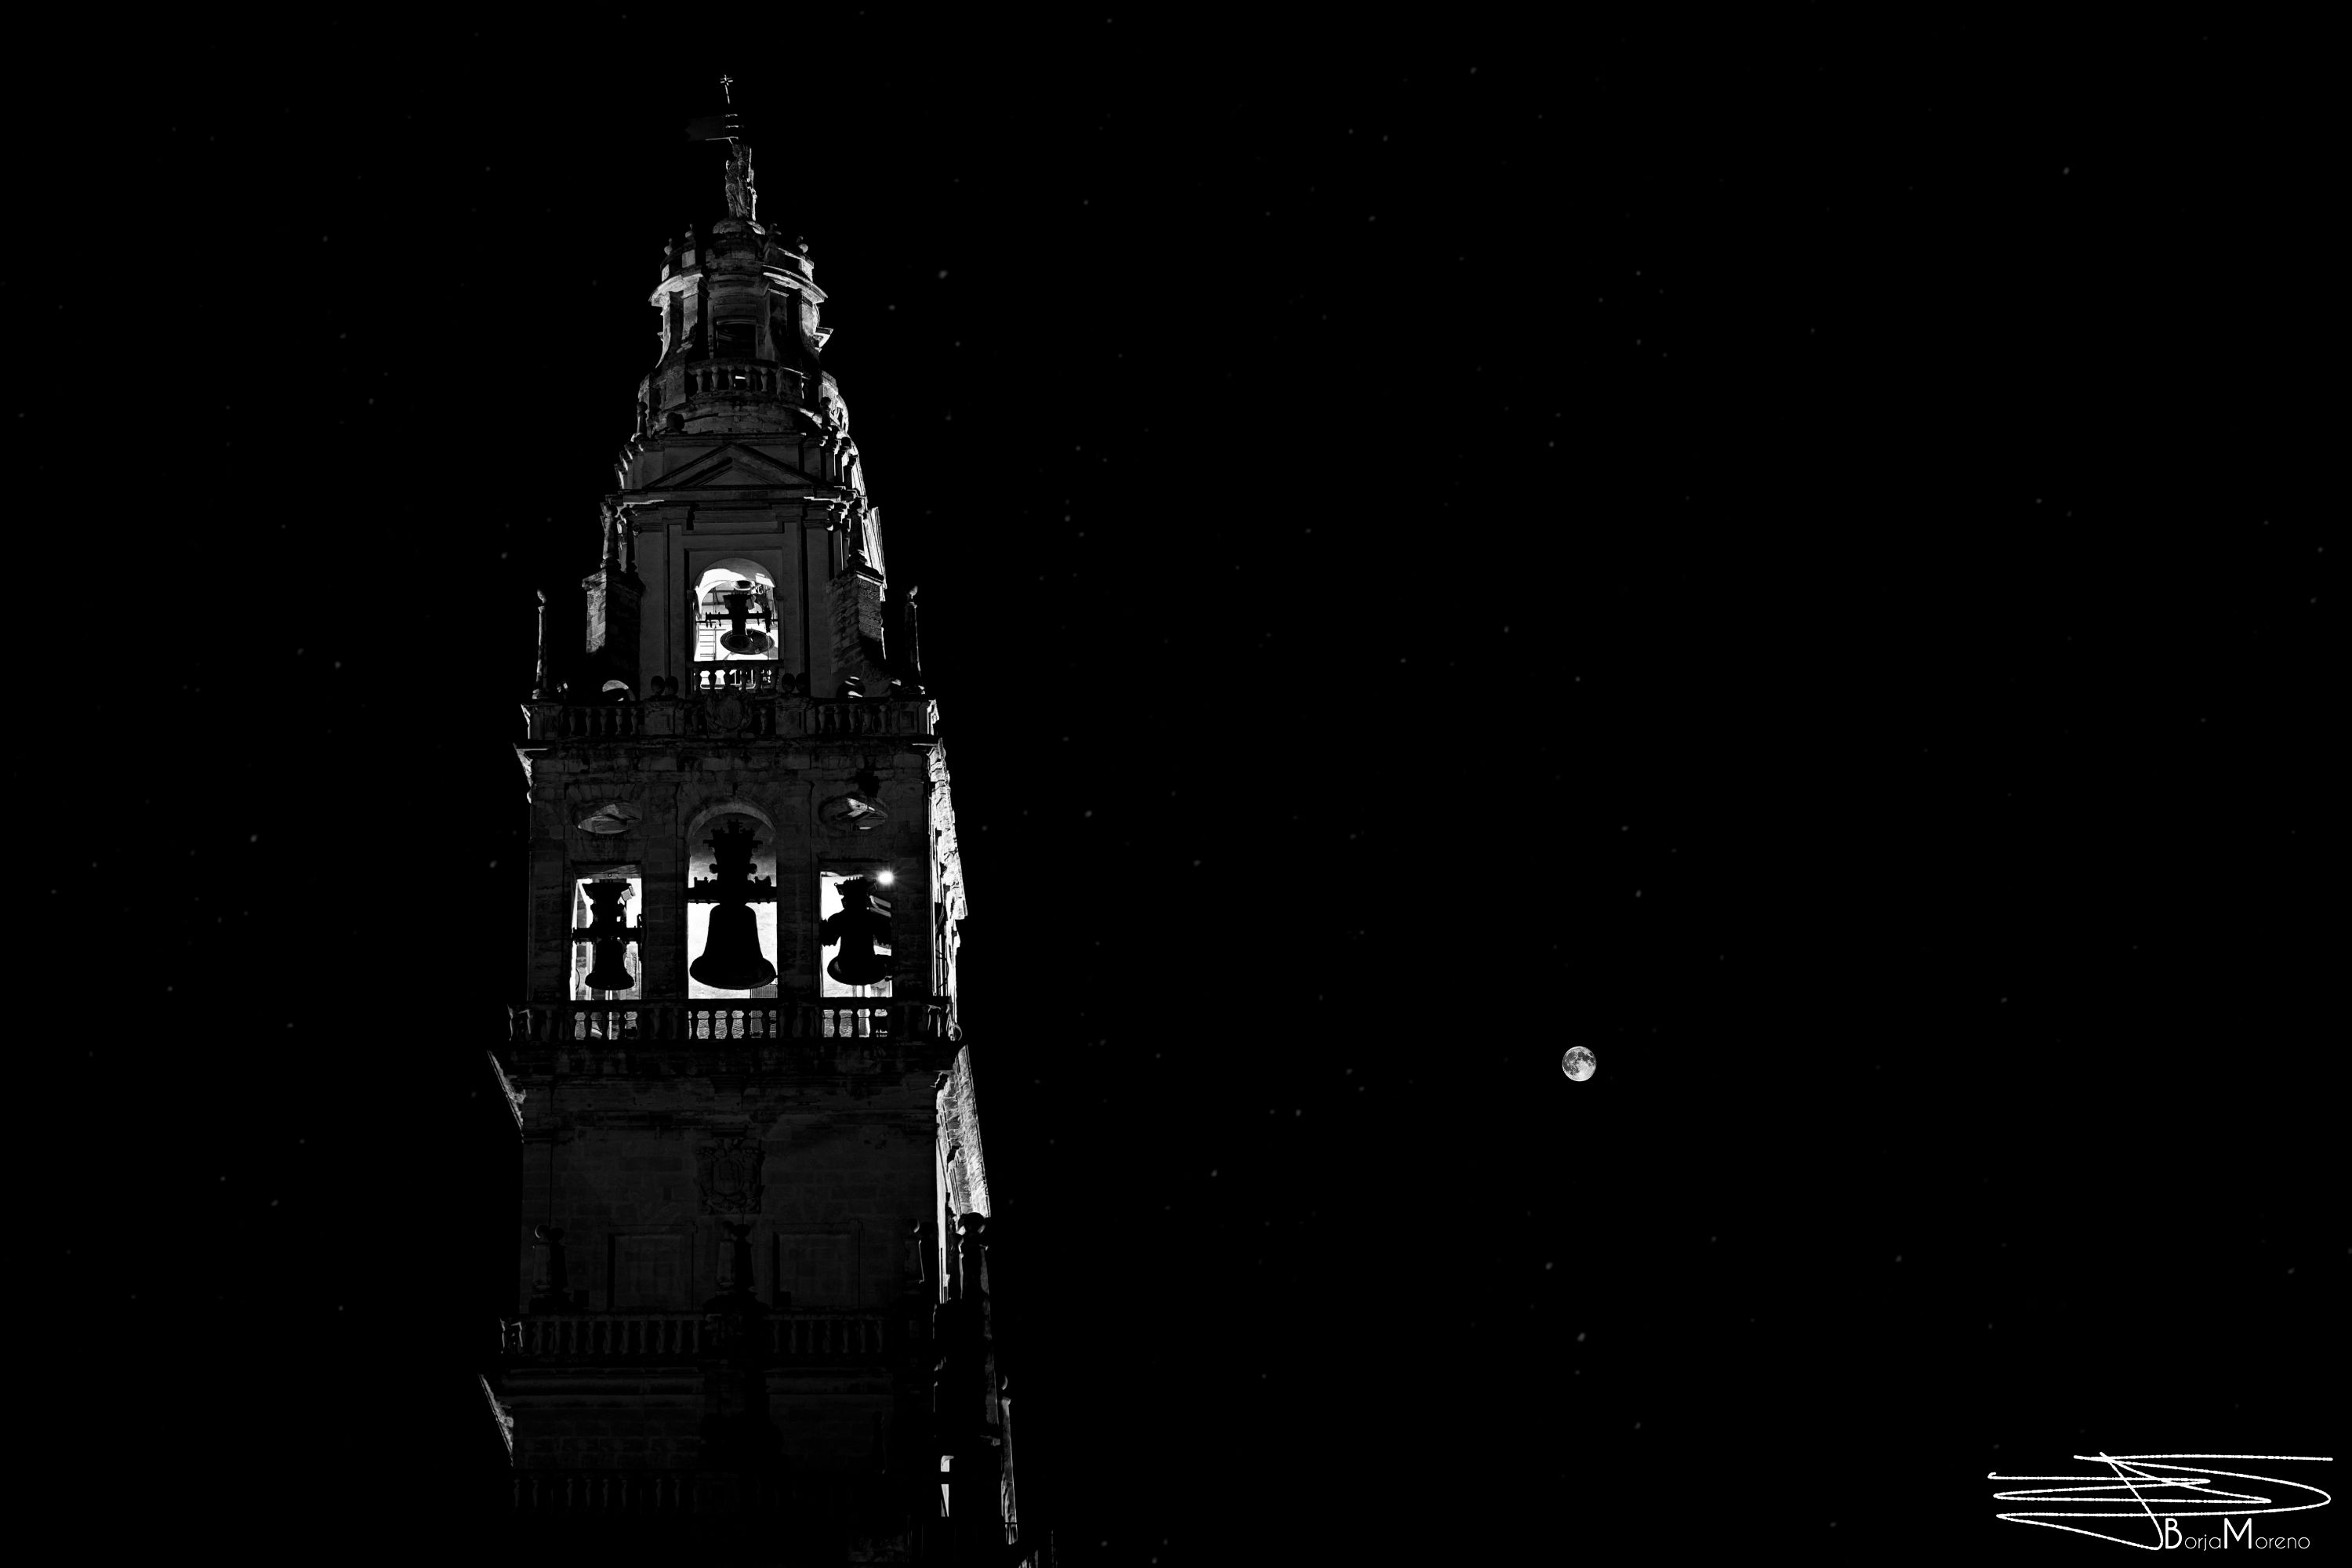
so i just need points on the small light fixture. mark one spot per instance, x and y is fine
(885, 878)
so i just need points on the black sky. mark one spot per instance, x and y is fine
(1793, 558)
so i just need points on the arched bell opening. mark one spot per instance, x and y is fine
(738, 618)
(730, 909)
(854, 929)
(607, 964)
(739, 631)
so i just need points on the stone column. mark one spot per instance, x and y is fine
(857, 644)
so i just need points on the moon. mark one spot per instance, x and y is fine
(1578, 1064)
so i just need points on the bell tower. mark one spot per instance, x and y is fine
(753, 1290)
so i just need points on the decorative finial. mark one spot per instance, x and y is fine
(540, 691)
(720, 127)
(726, 86)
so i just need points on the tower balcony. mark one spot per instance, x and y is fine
(745, 710)
(610, 1493)
(726, 390)
(797, 1337)
(657, 1022)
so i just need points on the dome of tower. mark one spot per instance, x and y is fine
(741, 336)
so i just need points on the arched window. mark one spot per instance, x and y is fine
(731, 907)
(739, 630)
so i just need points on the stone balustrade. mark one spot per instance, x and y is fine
(621, 1492)
(599, 721)
(741, 378)
(552, 1023)
(603, 1336)
(764, 675)
(745, 711)
(878, 716)
(674, 390)
(797, 1337)
(812, 1336)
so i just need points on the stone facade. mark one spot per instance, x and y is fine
(751, 1282)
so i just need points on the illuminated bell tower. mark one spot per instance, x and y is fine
(752, 1292)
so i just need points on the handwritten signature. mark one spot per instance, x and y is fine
(2134, 1495)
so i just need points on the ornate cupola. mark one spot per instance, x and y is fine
(740, 334)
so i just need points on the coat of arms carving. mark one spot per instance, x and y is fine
(730, 1175)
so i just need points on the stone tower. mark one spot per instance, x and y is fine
(752, 1299)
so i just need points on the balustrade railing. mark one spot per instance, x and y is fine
(761, 675)
(740, 377)
(800, 1336)
(653, 1023)
(604, 1336)
(749, 705)
(797, 1336)
(869, 716)
(608, 1491)
(598, 721)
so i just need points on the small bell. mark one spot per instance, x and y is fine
(864, 919)
(737, 640)
(608, 936)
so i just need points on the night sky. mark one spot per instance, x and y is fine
(1794, 559)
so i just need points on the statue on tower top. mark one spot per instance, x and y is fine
(741, 200)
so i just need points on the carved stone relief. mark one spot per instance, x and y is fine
(729, 1176)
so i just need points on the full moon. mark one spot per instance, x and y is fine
(1578, 1064)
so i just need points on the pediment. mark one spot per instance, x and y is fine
(733, 464)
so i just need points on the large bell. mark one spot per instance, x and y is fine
(608, 937)
(732, 960)
(864, 920)
(736, 639)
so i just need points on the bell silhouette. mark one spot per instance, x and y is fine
(859, 925)
(608, 934)
(739, 610)
(732, 960)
